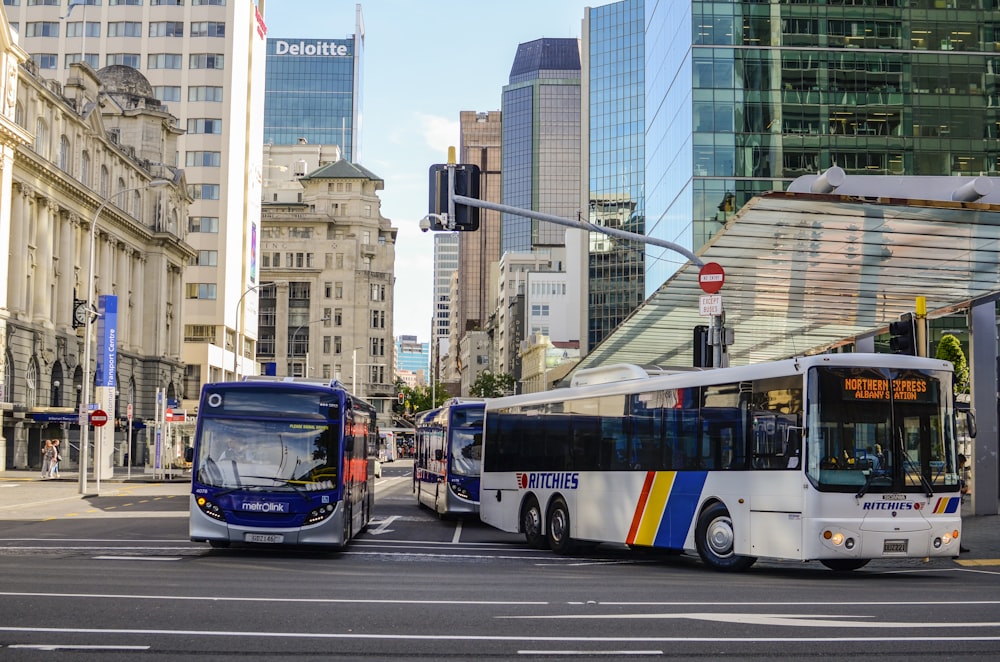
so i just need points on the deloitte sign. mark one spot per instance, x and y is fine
(312, 48)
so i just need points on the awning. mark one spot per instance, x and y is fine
(805, 272)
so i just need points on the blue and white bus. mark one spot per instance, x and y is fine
(449, 443)
(281, 462)
(838, 458)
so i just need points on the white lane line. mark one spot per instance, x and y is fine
(137, 558)
(216, 599)
(458, 533)
(78, 647)
(243, 634)
(579, 652)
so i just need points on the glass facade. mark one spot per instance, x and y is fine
(541, 141)
(312, 92)
(743, 97)
(616, 163)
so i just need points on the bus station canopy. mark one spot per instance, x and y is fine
(807, 271)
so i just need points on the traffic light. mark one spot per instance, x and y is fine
(702, 349)
(903, 335)
(401, 397)
(466, 183)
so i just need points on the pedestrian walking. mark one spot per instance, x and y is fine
(47, 455)
(56, 457)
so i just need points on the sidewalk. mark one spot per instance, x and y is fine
(24, 490)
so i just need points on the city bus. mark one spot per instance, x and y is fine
(448, 444)
(281, 461)
(839, 458)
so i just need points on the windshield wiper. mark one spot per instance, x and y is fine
(284, 482)
(869, 481)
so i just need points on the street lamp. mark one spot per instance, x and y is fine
(88, 379)
(295, 335)
(239, 322)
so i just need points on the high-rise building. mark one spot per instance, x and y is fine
(445, 264)
(313, 91)
(413, 357)
(613, 72)
(478, 252)
(205, 61)
(540, 171)
(743, 97)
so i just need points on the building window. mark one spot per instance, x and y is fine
(327, 290)
(204, 125)
(203, 159)
(205, 93)
(167, 92)
(199, 333)
(199, 291)
(41, 138)
(45, 60)
(208, 29)
(338, 291)
(166, 29)
(93, 29)
(338, 316)
(203, 224)
(65, 155)
(298, 291)
(163, 61)
(204, 191)
(128, 59)
(122, 29)
(205, 259)
(41, 29)
(206, 61)
(92, 59)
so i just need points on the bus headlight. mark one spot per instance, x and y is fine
(210, 509)
(319, 514)
(837, 539)
(460, 491)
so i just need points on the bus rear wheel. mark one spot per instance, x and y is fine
(560, 541)
(531, 524)
(715, 539)
(844, 565)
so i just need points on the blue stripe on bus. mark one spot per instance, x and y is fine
(680, 510)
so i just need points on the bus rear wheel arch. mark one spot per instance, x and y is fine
(531, 523)
(715, 539)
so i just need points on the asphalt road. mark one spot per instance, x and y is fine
(115, 578)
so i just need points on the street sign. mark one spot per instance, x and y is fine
(710, 305)
(711, 277)
(98, 418)
(169, 415)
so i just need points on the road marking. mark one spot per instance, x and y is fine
(786, 620)
(569, 652)
(977, 562)
(495, 638)
(458, 533)
(382, 526)
(266, 599)
(137, 558)
(78, 647)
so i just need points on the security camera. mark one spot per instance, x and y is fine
(425, 224)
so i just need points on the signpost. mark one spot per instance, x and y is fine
(711, 278)
(98, 418)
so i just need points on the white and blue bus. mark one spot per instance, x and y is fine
(281, 461)
(448, 445)
(838, 458)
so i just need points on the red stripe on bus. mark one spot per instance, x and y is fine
(641, 506)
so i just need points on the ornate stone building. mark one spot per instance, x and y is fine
(94, 144)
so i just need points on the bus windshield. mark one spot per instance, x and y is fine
(466, 451)
(266, 454)
(880, 430)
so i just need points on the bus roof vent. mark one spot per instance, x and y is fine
(618, 372)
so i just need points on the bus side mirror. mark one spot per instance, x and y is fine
(189, 454)
(438, 454)
(970, 423)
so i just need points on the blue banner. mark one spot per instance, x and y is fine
(107, 340)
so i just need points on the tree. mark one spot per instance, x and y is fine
(950, 349)
(489, 385)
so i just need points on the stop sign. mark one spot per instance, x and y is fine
(711, 277)
(98, 417)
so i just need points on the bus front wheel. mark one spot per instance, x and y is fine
(531, 524)
(716, 539)
(559, 529)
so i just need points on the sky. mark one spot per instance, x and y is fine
(425, 62)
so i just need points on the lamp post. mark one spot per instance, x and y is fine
(88, 378)
(295, 335)
(239, 322)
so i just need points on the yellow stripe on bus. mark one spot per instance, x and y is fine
(652, 515)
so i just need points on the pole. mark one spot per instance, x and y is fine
(87, 375)
(239, 323)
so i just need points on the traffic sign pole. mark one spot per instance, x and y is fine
(711, 278)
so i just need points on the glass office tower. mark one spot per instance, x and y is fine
(312, 92)
(742, 97)
(614, 74)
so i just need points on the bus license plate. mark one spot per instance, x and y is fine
(271, 538)
(894, 547)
